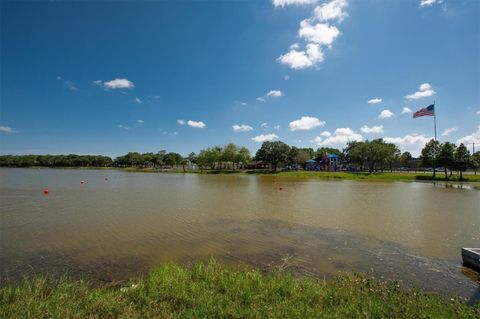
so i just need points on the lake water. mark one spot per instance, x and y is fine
(118, 224)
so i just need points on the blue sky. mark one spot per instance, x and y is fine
(111, 77)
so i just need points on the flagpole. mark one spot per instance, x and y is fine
(435, 143)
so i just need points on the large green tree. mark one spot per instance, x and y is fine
(274, 153)
(462, 159)
(446, 157)
(429, 154)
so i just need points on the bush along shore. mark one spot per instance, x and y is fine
(213, 290)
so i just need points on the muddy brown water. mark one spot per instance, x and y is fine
(119, 224)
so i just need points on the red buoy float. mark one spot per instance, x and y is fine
(45, 191)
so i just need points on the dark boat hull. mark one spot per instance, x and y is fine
(471, 258)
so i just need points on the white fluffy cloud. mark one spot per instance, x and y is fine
(264, 125)
(140, 121)
(303, 59)
(283, 3)
(118, 84)
(317, 32)
(123, 127)
(406, 110)
(138, 100)
(449, 130)
(333, 10)
(429, 3)
(317, 140)
(385, 114)
(326, 134)
(305, 123)
(196, 124)
(181, 122)
(374, 101)
(472, 138)
(410, 142)
(242, 128)
(372, 130)
(341, 136)
(265, 137)
(425, 91)
(320, 33)
(7, 129)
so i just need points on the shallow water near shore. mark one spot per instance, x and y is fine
(119, 224)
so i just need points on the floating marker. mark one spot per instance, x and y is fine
(281, 188)
(82, 182)
(45, 191)
(106, 178)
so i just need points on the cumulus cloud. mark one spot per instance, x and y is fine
(302, 59)
(140, 121)
(69, 84)
(196, 124)
(7, 129)
(385, 114)
(341, 136)
(425, 90)
(283, 3)
(326, 134)
(333, 10)
(261, 99)
(138, 100)
(429, 3)
(123, 127)
(320, 33)
(317, 32)
(374, 101)
(472, 138)
(117, 84)
(372, 130)
(410, 142)
(181, 122)
(317, 140)
(305, 123)
(264, 125)
(242, 128)
(406, 110)
(264, 137)
(276, 127)
(449, 130)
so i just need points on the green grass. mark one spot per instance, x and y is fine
(212, 290)
(385, 176)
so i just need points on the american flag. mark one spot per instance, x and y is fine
(426, 111)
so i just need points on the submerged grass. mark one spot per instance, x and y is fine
(212, 290)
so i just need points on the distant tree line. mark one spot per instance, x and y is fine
(371, 155)
(449, 157)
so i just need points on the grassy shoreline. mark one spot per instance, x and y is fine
(358, 176)
(213, 290)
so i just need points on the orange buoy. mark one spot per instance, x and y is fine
(45, 191)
